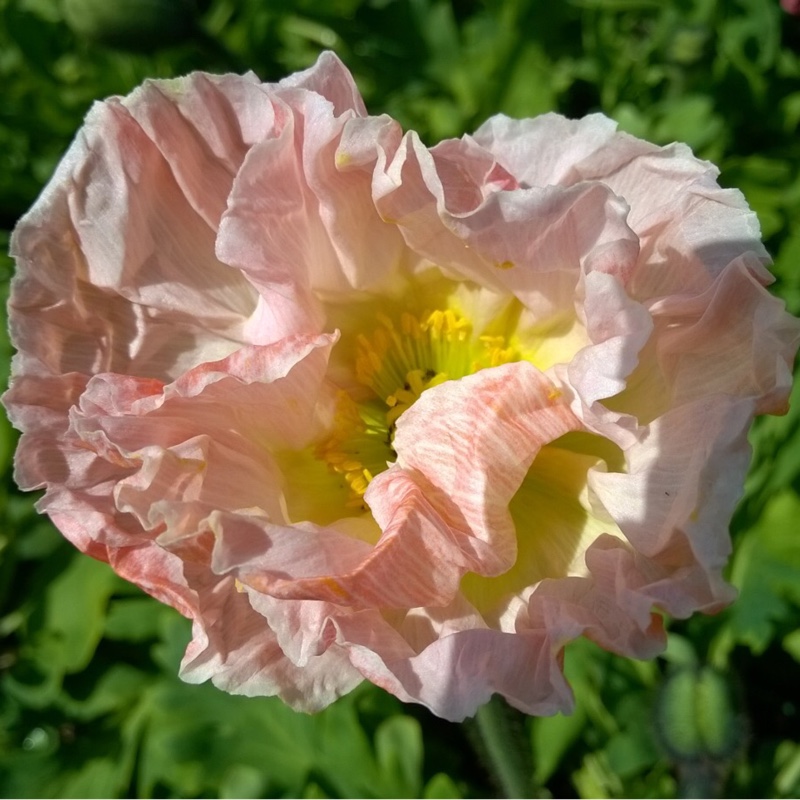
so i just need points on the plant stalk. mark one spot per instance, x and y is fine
(499, 736)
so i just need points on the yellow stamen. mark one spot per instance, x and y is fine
(357, 446)
(398, 361)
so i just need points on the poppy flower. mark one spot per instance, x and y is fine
(361, 408)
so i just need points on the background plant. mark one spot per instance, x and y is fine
(89, 702)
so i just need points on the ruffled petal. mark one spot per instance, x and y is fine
(473, 441)
(676, 499)
(704, 350)
(329, 78)
(234, 648)
(116, 269)
(203, 125)
(456, 674)
(532, 242)
(688, 227)
(463, 450)
(301, 218)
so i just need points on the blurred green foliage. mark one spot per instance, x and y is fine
(89, 702)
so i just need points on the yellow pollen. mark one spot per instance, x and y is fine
(409, 354)
(343, 160)
(398, 361)
(357, 446)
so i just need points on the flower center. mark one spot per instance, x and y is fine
(358, 447)
(398, 362)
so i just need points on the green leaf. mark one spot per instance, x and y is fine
(441, 787)
(551, 738)
(766, 569)
(64, 631)
(119, 687)
(631, 752)
(691, 119)
(134, 619)
(596, 779)
(787, 769)
(242, 780)
(679, 652)
(791, 644)
(97, 778)
(75, 610)
(398, 747)
(196, 735)
(343, 752)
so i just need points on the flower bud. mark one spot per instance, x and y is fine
(696, 716)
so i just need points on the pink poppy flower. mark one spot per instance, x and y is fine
(365, 409)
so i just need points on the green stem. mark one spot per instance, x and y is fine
(499, 736)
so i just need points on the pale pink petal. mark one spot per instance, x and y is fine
(618, 328)
(306, 562)
(284, 560)
(474, 440)
(39, 401)
(203, 125)
(198, 471)
(116, 270)
(550, 150)
(703, 349)
(689, 228)
(233, 647)
(609, 606)
(274, 390)
(468, 174)
(304, 629)
(329, 78)
(301, 214)
(682, 484)
(138, 234)
(456, 674)
(160, 573)
(531, 242)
